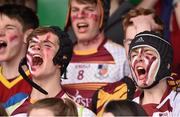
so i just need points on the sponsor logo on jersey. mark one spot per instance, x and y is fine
(81, 100)
(82, 66)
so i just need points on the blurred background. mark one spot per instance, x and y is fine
(50, 12)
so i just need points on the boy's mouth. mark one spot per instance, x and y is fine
(3, 44)
(82, 26)
(141, 72)
(37, 60)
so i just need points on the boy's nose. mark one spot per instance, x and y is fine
(81, 14)
(2, 32)
(37, 47)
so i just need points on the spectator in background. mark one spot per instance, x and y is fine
(16, 23)
(114, 28)
(139, 20)
(130, 108)
(31, 4)
(147, 4)
(164, 9)
(176, 4)
(96, 60)
(28, 3)
(53, 107)
(175, 34)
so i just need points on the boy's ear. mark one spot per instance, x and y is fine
(26, 34)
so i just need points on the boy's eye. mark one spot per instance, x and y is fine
(133, 55)
(74, 10)
(31, 45)
(149, 54)
(90, 9)
(10, 28)
(47, 45)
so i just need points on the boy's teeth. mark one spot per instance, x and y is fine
(140, 68)
(36, 55)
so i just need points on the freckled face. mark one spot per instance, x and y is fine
(11, 38)
(41, 51)
(85, 19)
(144, 63)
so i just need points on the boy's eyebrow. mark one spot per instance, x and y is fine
(90, 6)
(47, 41)
(34, 40)
(135, 50)
(86, 7)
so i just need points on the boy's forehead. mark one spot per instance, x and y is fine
(88, 3)
(131, 32)
(144, 47)
(85, 1)
(9, 20)
(46, 37)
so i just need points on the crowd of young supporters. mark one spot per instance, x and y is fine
(44, 73)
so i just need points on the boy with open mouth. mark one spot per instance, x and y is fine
(150, 58)
(48, 55)
(96, 60)
(16, 23)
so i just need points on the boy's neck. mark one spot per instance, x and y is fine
(51, 85)
(155, 94)
(10, 68)
(91, 44)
